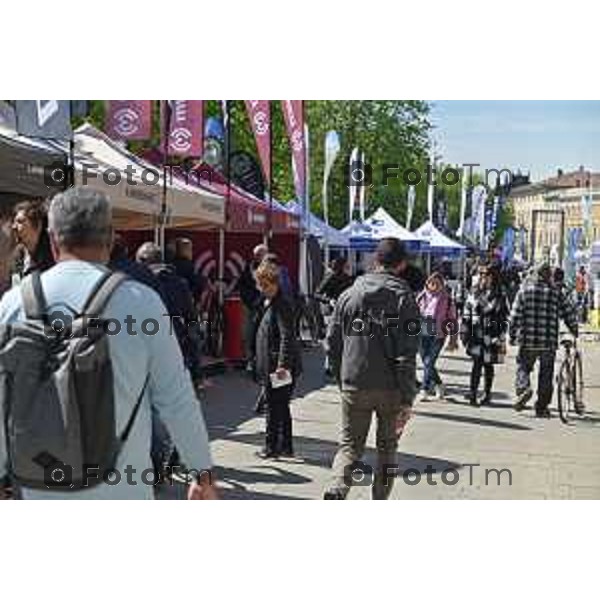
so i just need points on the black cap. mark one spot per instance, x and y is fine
(390, 252)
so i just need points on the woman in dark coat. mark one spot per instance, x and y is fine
(30, 225)
(483, 330)
(277, 360)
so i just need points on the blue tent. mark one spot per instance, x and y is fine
(319, 228)
(365, 236)
(439, 244)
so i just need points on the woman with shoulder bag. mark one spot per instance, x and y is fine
(484, 331)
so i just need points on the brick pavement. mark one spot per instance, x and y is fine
(547, 459)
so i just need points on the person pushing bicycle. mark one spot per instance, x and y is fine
(534, 327)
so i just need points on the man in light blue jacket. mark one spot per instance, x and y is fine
(80, 227)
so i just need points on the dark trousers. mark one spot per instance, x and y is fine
(357, 410)
(488, 381)
(526, 360)
(430, 349)
(279, 420)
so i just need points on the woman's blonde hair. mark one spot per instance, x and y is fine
(267, 272)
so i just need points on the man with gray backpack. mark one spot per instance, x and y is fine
(85, 355)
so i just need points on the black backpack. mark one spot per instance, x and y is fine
(57, 393)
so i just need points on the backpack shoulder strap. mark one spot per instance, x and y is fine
(102, 292)
(34, 300)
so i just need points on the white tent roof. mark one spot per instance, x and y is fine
(384, 225)
(438, 242)
(364, 236)
(137, 198)
(319, 228)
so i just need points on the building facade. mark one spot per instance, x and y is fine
(548, 209)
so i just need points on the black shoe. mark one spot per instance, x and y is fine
(543, 413)
(472, 398)
(522, 400)
(335, 493)
(486, 400)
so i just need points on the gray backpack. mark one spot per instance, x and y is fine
(57, 393)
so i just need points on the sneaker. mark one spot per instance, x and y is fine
(522, 399)
(440, 392)
(579, 408)
(425, 396)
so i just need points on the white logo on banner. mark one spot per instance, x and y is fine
(126, 121)
(297, 140)
(261, 123)
(181, 139)
(46, 109)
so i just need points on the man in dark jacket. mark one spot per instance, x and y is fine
(372, 346)
(534, 327)
(251, 297)
(176, 295)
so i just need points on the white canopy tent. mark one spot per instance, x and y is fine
(136, 188)
(439, 244)
(364, 236)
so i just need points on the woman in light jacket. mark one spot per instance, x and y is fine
(438, 319)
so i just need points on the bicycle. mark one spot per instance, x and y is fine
(569, 382)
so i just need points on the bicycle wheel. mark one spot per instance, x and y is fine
(577, 380)
(564, 392)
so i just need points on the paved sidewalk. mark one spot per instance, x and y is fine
(546, 458)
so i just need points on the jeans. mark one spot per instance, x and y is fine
(488, 369)
(429, 350)
(526, 360)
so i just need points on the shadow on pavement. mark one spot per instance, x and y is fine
(319, 453)
(472, 420)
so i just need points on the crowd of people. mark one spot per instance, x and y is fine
(378, 324)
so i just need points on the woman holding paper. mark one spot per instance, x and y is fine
(278, 360)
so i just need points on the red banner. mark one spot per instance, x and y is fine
(259, 112)
(294, 122)
(129, 119)
(186, 128)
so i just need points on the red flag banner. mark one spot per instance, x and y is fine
(129, 119)
(294, 122)
(259, 113)
(186, 128)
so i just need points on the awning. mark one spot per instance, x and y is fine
(320, 229)
(23, 162)
(439, 244)
(138, 195)
(365, 236)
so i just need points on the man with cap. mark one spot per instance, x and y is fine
(372, 345)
